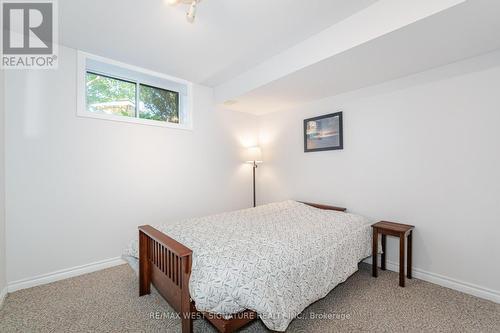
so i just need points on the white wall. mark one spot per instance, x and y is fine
(426, 155)
(77, 188)
(3, 281)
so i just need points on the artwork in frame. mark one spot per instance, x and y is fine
(323, 133)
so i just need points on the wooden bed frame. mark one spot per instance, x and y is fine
(166, 264)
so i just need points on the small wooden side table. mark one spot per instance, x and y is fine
(402, 231)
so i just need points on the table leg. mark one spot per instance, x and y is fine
(374, 252)
(383, 257)
(402, 260)
(409, 254)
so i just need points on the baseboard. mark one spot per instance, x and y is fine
(64, 274)
(465, 287)
(438, 279)
(3, 294)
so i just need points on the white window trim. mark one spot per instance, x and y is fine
(82, 94)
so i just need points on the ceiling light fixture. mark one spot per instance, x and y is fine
(193, 6)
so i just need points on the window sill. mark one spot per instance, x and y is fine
(132, 120)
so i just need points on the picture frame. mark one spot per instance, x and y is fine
(324, 133)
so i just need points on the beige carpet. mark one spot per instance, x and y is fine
(107, 301)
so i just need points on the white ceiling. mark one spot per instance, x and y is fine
(463, 31)
(268, 55)
(228, 37)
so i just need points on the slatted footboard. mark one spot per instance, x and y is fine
(166, 264)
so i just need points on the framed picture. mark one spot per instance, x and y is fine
(323, 133)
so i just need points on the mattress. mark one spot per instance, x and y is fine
(275, 259)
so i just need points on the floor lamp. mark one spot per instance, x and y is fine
(254, 157)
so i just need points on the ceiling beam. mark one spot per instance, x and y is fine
(381, 18)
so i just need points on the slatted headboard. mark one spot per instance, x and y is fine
(326, 207)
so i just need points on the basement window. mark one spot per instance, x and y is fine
(115, 91)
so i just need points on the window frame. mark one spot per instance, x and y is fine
(185, 108)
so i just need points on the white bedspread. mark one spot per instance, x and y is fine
(275, 259)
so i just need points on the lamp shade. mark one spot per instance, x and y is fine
(253, 154)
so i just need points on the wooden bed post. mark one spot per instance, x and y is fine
(186, 314)
(144, 265)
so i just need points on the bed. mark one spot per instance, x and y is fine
(268, 262)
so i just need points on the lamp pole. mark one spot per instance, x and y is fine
(253, 156)
(254, 167)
